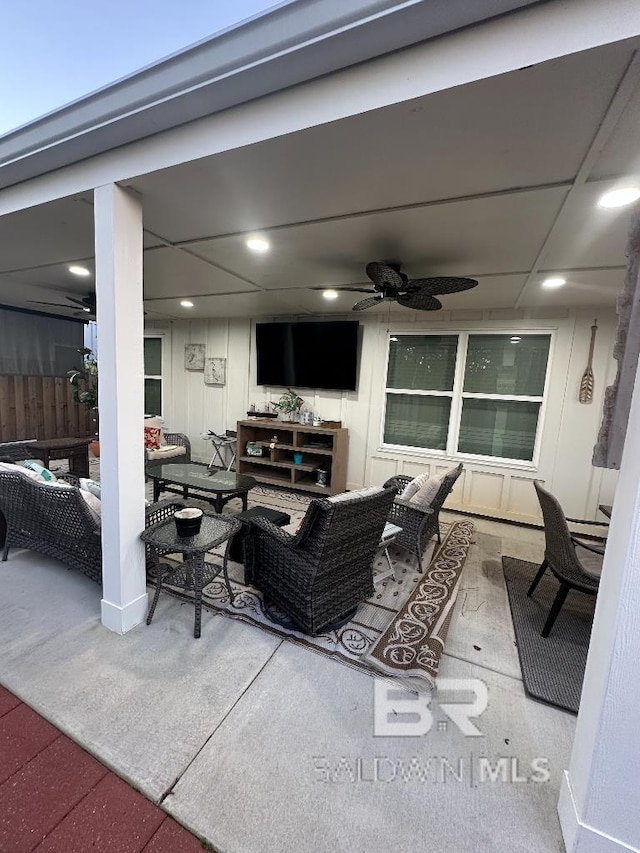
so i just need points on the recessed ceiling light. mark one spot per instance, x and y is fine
(258, 244)
(330, 294)
(619, 197)
(186, 303)
(515, 339)
(82, 271)
(393, 339)
(553, 282)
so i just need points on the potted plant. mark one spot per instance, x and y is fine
(84, 382)
(289, 405)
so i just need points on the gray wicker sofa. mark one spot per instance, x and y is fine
(58, 523)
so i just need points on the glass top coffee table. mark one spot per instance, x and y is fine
(179, 478)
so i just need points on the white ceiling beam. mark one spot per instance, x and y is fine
(535, 34)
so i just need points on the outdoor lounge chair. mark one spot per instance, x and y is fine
(320, 575)
(418, 524)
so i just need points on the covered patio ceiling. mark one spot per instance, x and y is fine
(497, 180)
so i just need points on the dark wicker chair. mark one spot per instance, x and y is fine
(321, 574)
(418, 525)
(16, 451)
(178, 438)
(57, 522)
(575, 563)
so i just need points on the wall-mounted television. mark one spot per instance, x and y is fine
(308, 355)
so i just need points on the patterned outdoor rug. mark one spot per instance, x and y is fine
(399, 632)
(552, 668)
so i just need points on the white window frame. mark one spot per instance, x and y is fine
(458, 395)
(161, 336)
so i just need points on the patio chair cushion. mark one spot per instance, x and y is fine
(169, 451)
(12, 468)
(415, 485)
(360, 493)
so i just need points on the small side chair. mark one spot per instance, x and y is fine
(575, 563)
(418, 524)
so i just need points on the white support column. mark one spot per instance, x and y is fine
(118, 238)
(598, 804)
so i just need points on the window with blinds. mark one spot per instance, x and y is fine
(467, 394)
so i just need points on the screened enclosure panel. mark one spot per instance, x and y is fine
(417, 421)
(153, 356)
(505, 429)
(422, 362)
(152, 397)
(496, 365)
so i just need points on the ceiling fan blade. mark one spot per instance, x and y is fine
(419, 300)
(384, 277)
(346, 289)
(53, 304)
(369, 302)
(441, 285)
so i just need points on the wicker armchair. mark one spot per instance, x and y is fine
(177, 438)
(418, 525)
(575, 563)
(58, 523)
(321, 574)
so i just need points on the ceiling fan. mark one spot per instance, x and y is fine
(84, 305)
(391, 285)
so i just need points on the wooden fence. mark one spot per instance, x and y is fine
(40, 407)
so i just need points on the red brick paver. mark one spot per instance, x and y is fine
(56, 798)
(36, 798)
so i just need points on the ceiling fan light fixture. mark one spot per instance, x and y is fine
(554, 282)
(258, 244)
(330, 294)
(83, 272)
(186, 303)
(619, 197)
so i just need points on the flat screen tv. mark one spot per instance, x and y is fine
(308, 355)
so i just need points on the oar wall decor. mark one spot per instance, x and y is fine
(586, 385)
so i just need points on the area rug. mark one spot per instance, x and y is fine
(552, 668)
(424, 601)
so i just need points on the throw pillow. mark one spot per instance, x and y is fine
(157, 423)
(92, 486)
(34, 465)
(152, 437)
(425, 495)
(411, 488)
(93, 504)
(13, 468)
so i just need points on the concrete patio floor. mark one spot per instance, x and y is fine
(259, 745)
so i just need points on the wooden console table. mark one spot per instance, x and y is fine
(321, 448)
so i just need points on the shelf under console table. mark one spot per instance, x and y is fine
(321, 447)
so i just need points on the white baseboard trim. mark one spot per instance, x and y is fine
(123, 619)
(578, 837)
